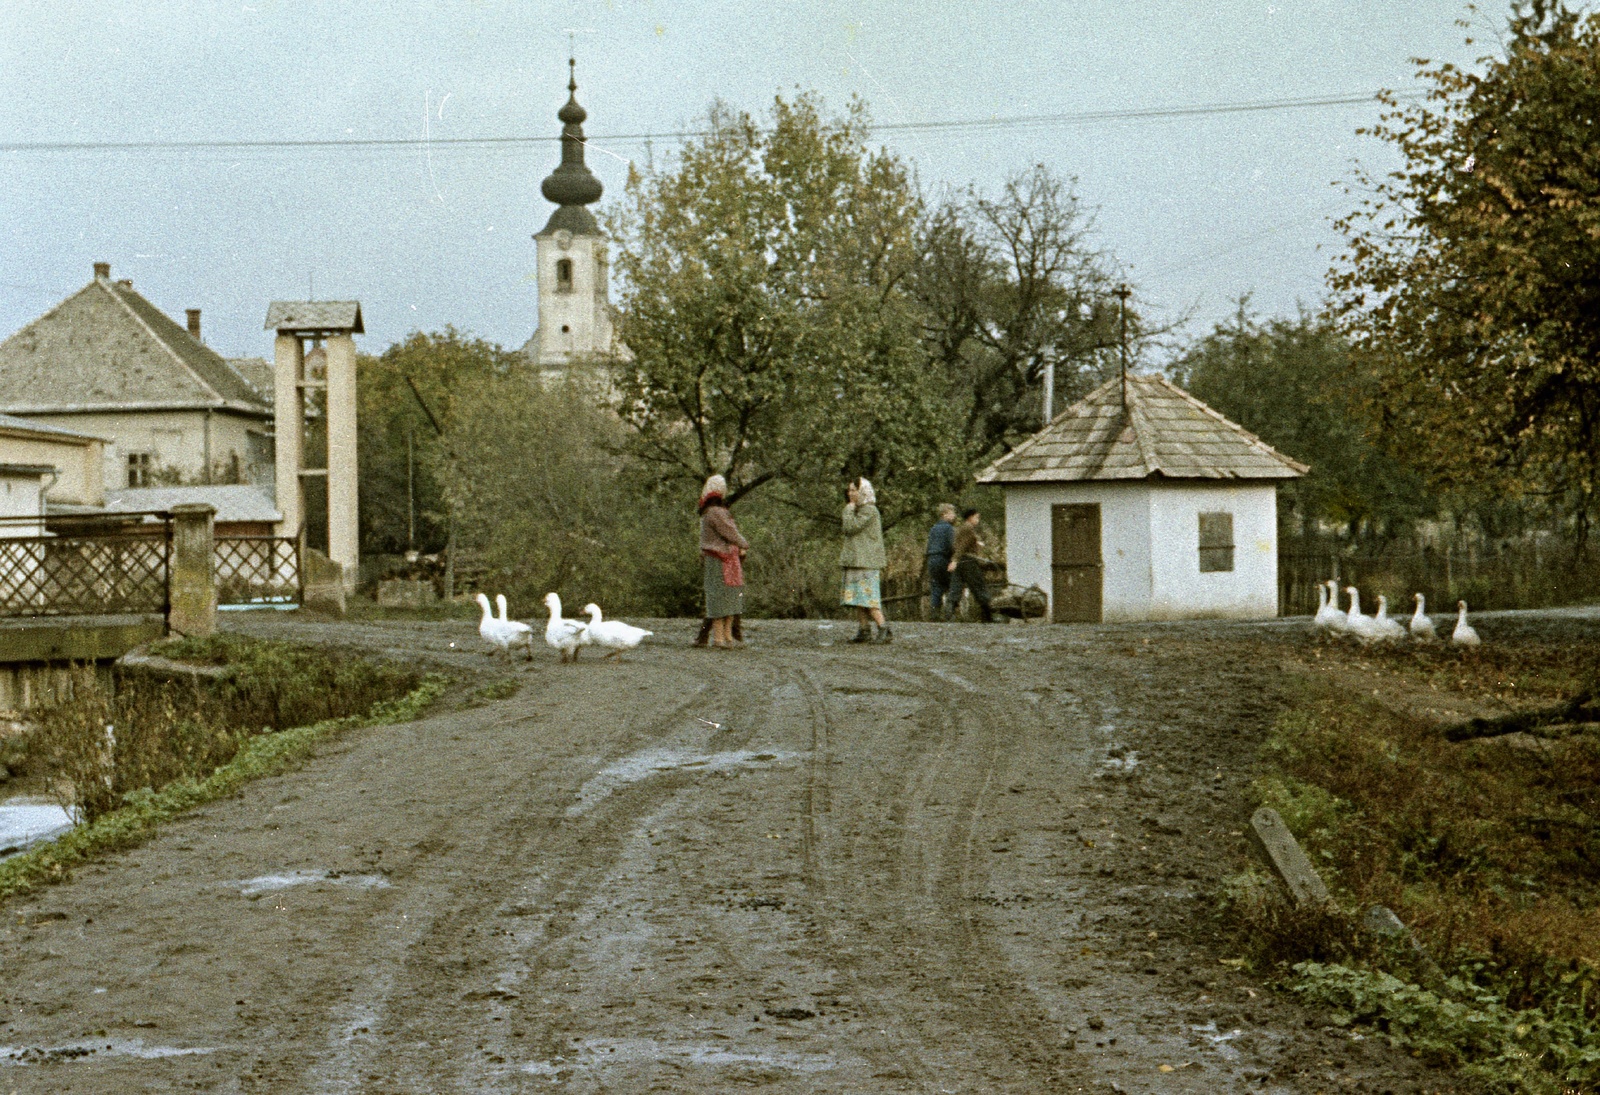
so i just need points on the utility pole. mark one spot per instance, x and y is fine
(411, 493)
(1123, 293)
(1049, 392)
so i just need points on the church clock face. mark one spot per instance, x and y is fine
(563, 239)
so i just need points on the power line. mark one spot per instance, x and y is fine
(1089, 117)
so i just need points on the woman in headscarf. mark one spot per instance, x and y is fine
(862, 559)
(722, 551)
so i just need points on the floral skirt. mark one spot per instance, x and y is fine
(861, 588)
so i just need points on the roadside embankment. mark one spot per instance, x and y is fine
(190, 723)
(1442, 783)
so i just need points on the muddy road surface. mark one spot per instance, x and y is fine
(976, 860)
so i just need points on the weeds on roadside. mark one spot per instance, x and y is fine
(1489, 849)
(98, 747)
(142, 811)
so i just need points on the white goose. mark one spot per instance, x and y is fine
(501, 632)
(1421, 626)
(562, 634)
(1464, 634)
(1328, 617)
(1383, 627)
(614, 635)
(1354, 622)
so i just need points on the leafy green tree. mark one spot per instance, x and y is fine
(1471, 279)
(1010, 286)
(1291, 383)
(409, 400)
(771, 337)
(525, 474)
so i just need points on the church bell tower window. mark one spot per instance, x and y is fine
(564, 275)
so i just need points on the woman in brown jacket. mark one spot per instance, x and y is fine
(722, 550)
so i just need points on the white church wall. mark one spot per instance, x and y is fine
(575, 317)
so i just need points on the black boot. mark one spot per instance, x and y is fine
(862, 636)
(885, 634)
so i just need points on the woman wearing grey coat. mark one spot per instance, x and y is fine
(862, 559)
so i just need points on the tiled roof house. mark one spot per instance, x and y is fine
(107, 362)
(1140, 502)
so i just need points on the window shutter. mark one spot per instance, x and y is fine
(1216, 542)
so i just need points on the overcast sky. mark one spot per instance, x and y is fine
(1197, 209)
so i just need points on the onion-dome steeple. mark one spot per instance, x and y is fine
(571, 185)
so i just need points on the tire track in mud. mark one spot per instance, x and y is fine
(520, 987)
(399, 996)
(899, 1055)
(944, 870)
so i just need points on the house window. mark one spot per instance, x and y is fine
(139, 469)
(1216, 542)
(564, 275)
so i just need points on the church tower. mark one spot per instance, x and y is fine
(573, 279)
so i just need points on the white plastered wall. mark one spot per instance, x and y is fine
(1150, 546)
(22, 495)
(1124, 540)
(1179, 591)
(77, 463)
(176, 439)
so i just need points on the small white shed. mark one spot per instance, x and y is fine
(1142, 503)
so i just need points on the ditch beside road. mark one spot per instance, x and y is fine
(977, 860)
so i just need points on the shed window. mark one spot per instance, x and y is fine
(564, 275)
(139, 469)
(1216, 542)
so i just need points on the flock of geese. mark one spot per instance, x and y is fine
(561, 634)
(1381, 627)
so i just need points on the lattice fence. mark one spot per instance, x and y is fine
(78, 576)
(257, 570)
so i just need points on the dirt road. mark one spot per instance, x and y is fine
(976, 860)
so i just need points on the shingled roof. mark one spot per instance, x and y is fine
(1161, 430)
(314, 315)
(108, 348)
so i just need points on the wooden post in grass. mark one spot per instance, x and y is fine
(1283, 853)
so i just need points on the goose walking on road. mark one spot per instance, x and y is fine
(501, 633)
(1421, 626)
(614, 635)
(562, 634)
(1464, 634)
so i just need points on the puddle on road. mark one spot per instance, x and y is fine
(642, 765)
(88, 1050)
(604, 1053)
(25, 822)
(1219, 1042)
(268, 883)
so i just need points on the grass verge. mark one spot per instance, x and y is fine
(1489, 849)
(143, 811)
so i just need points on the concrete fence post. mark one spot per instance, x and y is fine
(193, 578)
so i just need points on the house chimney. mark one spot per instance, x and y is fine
(102, 269)
(126, 283)
(194, 322)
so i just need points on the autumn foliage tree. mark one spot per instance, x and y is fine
(1471, 279)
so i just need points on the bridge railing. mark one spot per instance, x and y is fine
(257, 570)
(84, 572)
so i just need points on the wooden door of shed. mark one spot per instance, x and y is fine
(1075, 565)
